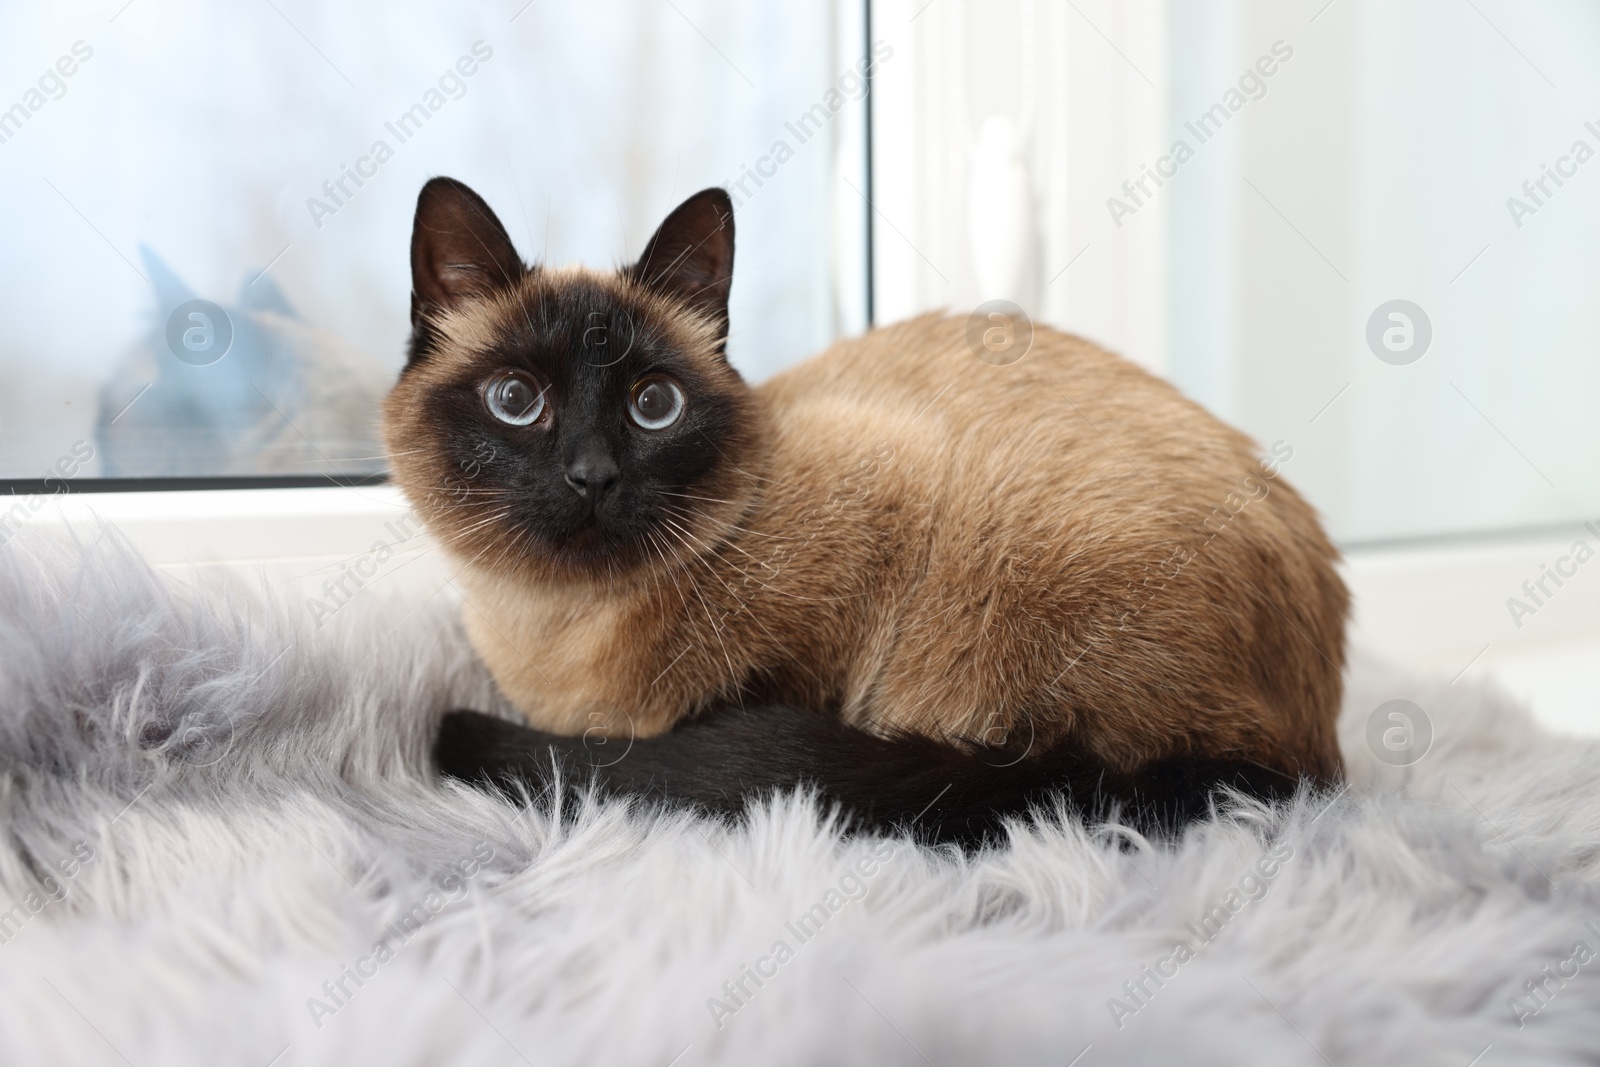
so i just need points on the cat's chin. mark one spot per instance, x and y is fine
(600, 553)
(589, 551)
(593, 553)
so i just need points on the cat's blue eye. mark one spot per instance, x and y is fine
(655, 403)
(513, 398)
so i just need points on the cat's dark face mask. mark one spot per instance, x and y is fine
(569, 420)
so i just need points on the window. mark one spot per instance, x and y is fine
(1382, 254)
(209, 206)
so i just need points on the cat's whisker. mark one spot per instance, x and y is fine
(488, 520)
(688, 522)
(687, 536)
(669, 571)
(744, 606)
(469, 563)
(743, 609)
(458, 489)
(729, 525)
(694, 496)
(784, 592)
(716, 629)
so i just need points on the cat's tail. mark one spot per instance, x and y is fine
(940, 793)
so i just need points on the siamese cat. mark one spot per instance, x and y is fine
(897, 572)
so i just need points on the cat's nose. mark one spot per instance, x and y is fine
(591, 474)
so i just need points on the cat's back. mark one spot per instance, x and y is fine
(1067, 404)
(1070, 445)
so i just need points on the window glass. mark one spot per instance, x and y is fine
(1382, 254)
(209, 205)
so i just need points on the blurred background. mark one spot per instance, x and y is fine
(1359, 228)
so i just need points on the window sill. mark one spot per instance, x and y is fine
(239, 525)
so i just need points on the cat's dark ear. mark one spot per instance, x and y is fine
(459, 250)
(691, 255)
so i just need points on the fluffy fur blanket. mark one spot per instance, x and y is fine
(223, 846)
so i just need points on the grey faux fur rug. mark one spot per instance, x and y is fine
(222, 847)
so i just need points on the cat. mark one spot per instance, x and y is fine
(1060, 557)
(284, 399)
